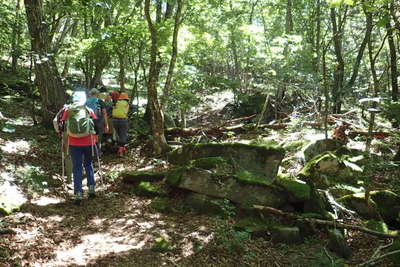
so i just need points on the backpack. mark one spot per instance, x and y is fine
(94, 104)
(121, 109)
(79, 123)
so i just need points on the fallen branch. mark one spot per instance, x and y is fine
(371, 261)
(323, 222)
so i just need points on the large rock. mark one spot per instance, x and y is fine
(260, 161)
(329, 169)
(246, 192)
(318, 147)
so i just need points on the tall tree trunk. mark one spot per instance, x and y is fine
(122, 73)
(15, 38)
(167, 86)
(338, 74)
(318, 38)
(393, 57)
(289, 17)
(160, 145)
(47, 76)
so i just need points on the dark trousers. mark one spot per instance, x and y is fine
(121, 130)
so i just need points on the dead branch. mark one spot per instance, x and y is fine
(238, 119)
(323, 222)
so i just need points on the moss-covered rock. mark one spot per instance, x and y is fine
(255, 226)
(388, 204)
(161, 204)
(319, 147)
(328, 169)
(317, 204)
(338, 244)
(11, 201)
(229, 187)
(203, 204)
(175, 175)
(297, 189)
(260, 160)
(135, 177)
(395, 258)
(219, 164)
(287, 235)
(378, 226)
(358, 203)
(295, 145)
(150, 189)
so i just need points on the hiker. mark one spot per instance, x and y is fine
(99, 108)
(80, 128)
(120, 121)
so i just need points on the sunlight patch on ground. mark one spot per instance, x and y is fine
(10, 195)
(92, 247)
(44, 200)
(22, 121)
(20, 147)
(215, 101)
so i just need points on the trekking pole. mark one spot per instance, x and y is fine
(98, 162)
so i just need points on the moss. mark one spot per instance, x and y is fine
(160, 204)
(297, 188)
(388, 204)
(357, 203)
(252, 225)
(174, 176)
(295, 145)
(149, 189)
(378, 226)
(249, 178)
(140, 176)
(162, 244)
(209, 163)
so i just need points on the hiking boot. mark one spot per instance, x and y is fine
(78, 198)
(92, 192)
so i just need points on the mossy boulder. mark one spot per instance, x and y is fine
(257, 227)
(295, 145)
(260, 160)
(358, 203)
(287, 235)
(135, 177)
(150, 189)
(319, 147)
(317, 205)
(338, 244)
(328, 169)
(246, 192)
(218, 164)
(388, 205)
(203, 204)
(298, 190)
(161, 204)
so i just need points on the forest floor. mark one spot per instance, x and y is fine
(119, 228)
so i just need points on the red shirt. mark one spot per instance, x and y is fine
(82, 141)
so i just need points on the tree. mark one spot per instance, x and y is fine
(46, 73)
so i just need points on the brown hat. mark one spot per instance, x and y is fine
(123, 96)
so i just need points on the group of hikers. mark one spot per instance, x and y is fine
(90, 120)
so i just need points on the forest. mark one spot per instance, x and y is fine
(254, 133)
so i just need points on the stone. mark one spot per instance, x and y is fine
(287, 235)
(149, 189)
(260, 160)
(160, 204)
(135, 177)
(357, 203)
(251, 192)
(338, 244)
(298, 190)
(256, 227)
(203, 204)
(388, 205)
(318, 147)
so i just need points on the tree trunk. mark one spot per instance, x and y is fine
(47, 76)
(167, 86)
(15, 38)
(393, 58)
(121, 74)
(160, 145)
(338, 73)
(289, 17)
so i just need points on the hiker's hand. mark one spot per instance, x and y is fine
(59, 134)
(106, 129)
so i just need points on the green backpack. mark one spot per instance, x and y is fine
(79, 123)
